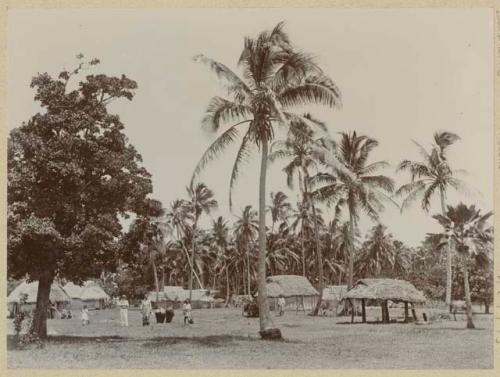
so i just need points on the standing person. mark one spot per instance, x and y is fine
(123, 304)
(146, 311)
(85, 316)
(186, 311)
(281, 305)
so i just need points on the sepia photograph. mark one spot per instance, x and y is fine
(250, 188)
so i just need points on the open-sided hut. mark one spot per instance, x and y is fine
(296, 290)
(384, 290)
(28, 292)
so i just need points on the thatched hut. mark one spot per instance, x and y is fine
(89, 294)
(296, 290)
(384, 290)
(28, 292)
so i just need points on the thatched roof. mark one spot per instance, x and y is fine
(57, 293)
(93, 292)
(385, 289)
(291, 285)
(73, 290)
(334, 292)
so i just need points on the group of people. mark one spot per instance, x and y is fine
(147, 310)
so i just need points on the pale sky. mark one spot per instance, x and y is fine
(404, 74)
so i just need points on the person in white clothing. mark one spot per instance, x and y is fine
(85, 316)
(123, 304)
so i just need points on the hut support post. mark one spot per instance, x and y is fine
(413, 312)
(385, 312)
(363, 310)
(406, 312)
(352, 311)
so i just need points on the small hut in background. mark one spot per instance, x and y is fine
(296, 290)
(94, 297)
(28, 292)
(382, 291)
(89, 294)
(333, 296)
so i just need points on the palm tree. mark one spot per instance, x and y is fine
(465, 229)
(220, 239)
(378, 253)
(428, 177)
(201, 201)
(358, 190)
(337, 250)
(246, 229)
(178, 219)
(276, 78)
(304, 154)
(279, 208)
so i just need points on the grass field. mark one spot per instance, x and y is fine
(222, 338)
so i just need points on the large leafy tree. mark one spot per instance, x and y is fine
(353, 184)
(71, 173)
(467, 230)
(144, 243)
(429, 177)
(276, 78)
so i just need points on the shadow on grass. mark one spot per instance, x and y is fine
(207, 341)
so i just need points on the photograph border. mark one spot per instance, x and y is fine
(5, 5)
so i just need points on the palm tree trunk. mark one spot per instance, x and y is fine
(264, 314)
(350, 268)
(227, 287)
(448, 257)
(468, 304)
(193, 246)
(319, 259)
(303, 253)
(191, 265)
(248, 273)
(157, 284)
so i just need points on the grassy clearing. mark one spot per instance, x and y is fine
(222, 338)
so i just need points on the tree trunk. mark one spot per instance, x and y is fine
(468, 304)
(350, 269)
(319, 260)
(163, 278)
(264, 314)
(448, 258)
(248, 273)
(227, 287)
(193, 246)
(39, 325)
(486, 306)
(190, 266)
(157, 284)
(407, 317)
(303, 252)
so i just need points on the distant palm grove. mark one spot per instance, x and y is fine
(313, 233)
